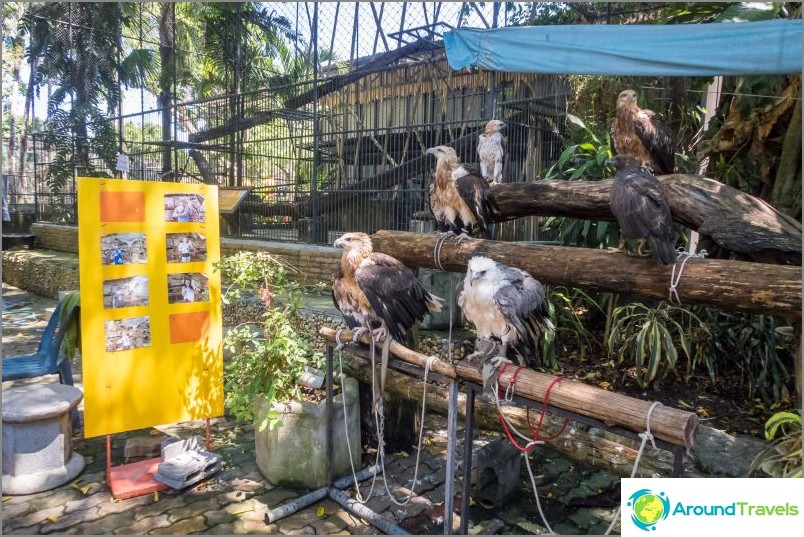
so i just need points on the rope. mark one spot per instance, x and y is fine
(537, 432)
(646, 437)
(358, 495)
(439, 243)
(674, 281)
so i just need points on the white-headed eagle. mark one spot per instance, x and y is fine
(491, 151)
(460, 199)
(507, 306)
(641, 133)
(376, 292)
(640, 206)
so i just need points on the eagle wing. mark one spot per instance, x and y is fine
(477, 194)
(521, 301)
(395, 295)
(657, 139)
(640, 205)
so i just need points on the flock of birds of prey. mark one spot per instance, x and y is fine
(508, 307)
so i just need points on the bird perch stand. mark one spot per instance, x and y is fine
(676, 427)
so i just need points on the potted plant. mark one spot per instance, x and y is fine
(262, 369)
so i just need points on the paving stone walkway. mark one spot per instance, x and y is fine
(236, 500)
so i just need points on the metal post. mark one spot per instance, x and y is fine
(315, 228)
(373, 518)
(468, 440)
(452, 430)
(330, 418)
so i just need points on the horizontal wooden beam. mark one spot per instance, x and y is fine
(752, 227)
(677, 427)
(724, 284)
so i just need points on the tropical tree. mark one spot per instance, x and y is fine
(79, 46)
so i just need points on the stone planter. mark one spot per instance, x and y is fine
(293, 454)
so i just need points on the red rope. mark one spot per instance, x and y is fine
(537, 432)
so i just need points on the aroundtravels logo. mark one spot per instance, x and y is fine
(648, 508)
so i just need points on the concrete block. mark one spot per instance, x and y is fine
(443, 285)
(293, 454)
(187, 468)
(497, 471)
(37, 438)
(173, 447)
(143, 447)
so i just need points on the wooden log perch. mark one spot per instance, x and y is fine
(719, 283)
(594, 447)
(674, 426)
(756, 230)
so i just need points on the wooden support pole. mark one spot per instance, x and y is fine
(674, 426)
(725, 284)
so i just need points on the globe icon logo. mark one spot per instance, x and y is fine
(648, 508)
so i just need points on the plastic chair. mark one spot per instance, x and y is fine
(48, 359)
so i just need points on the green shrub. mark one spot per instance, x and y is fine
(265, 364)
(783, 457)
(652, 336)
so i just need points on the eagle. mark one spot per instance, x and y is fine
(507, 306)
(640, 206)
(491, 151)
(641, 133)
(378, 293)
(460, 199)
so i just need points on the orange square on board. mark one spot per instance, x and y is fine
(122, 206)
(186, 327)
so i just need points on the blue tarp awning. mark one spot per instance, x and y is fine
(734, 48)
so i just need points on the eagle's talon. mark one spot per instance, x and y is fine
(358, 334)
(462, 237)
(379, 334)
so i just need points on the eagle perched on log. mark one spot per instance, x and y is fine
(460, 199)
(641, 133)
(640, 206)
(491, 151)
(376, 292)
(507, 306)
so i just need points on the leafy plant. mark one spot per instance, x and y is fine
(652, 335)
(753, 344)
(584, 160)
(265, 364)
(571, 311)
(783, 457)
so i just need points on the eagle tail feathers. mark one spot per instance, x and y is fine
(664, 250)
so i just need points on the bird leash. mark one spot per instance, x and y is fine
(675, 280)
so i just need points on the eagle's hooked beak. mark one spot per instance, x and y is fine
(503, 127)
(432, 151)
(472, 277)
(339, 243)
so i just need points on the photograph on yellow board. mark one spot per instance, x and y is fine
(125, 334)
(186, 247)
(123, 249)
(188, 287)
(185, 208)
(125, 292)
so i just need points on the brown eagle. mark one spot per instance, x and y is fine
(460, 199)
(641, 133)
(491, 151)
(376, 292)
(640, 206)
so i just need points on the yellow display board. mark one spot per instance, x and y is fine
(150, 303)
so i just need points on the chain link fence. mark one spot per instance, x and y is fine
(323, 110)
